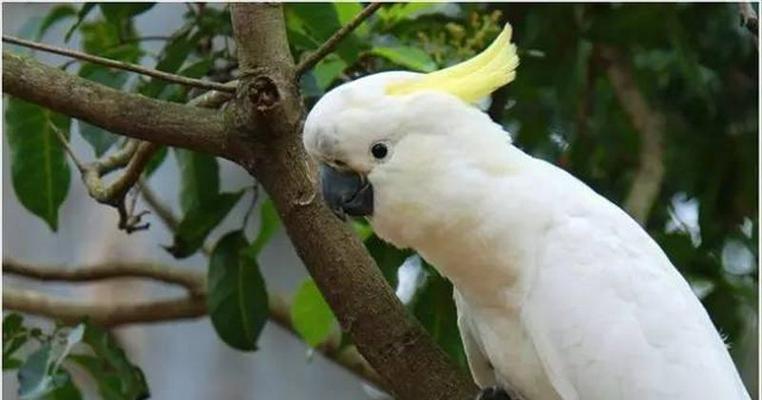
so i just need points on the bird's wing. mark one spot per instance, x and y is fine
(612, 319)
(481, 370)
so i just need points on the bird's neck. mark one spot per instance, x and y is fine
(464, 218)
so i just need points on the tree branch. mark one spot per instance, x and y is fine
(135, 155)
(332, 42)
(211, 99)
(112, 315)
(649, 123)
(270, 112)
(165, 76)
(160, 209)
(189, 279)
(107, 315)
(125, 114)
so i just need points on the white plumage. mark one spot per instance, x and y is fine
(560, 294)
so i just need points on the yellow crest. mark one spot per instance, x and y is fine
(472, 79)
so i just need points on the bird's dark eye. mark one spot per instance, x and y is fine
(379, 151)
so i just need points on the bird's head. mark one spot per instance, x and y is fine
(379, 123)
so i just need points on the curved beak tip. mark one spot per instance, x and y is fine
(346, 192)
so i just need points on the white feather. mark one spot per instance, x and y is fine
(560, 294)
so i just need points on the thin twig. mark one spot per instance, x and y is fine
(160, 209)
(212, 99)
(183, 80)
(135, 155)
(65, 143)
(132, 171)
(330, 44)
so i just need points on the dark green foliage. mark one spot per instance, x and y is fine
(203, 206)
(433, 305)
(237, 299)
(39, 169)
(693, 63)
(310, 314)
(45, 375)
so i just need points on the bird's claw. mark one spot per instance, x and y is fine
(494, 393)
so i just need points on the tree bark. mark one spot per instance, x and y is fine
(122, 113)
(268, 114)
(261, 131)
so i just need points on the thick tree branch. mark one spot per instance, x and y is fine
(269, 113)
(125, 114)
(113, 315)
(165, 76)
(649, 123)
(332, 42)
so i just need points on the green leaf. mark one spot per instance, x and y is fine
(269, 222)
(435, 308)
(116, 13)
(39, 170)
(311, 315)
(346, 12)
(100, 139)
(86, 8)
(117, 377)
(387, 257)
(67, 390)
(199, 221)
(198, 68)
(40, 376)
(15, 335)
(319, 21)
(172, 58)
(34, 378)
(199, 179)
(405, 56)
(237, 299)
(328, 69)
(156, 161)
(103, 39)
(55, 15)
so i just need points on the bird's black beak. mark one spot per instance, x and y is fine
(347, 193)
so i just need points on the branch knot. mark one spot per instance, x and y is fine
(263, 93)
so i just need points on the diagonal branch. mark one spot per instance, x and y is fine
(649, 123)
(122, 113)
(270, 109)
(165, 76)
(332, 42)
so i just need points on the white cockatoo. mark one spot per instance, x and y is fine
(560, 294)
